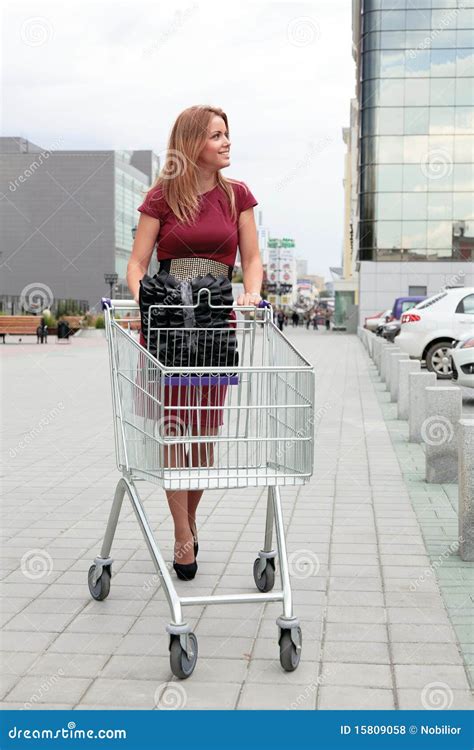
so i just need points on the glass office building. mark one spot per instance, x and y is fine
(131, 186)
(416, 131)
(415, 100)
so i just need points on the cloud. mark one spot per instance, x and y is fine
(115, 75)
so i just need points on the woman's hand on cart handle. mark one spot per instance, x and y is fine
(249, 298)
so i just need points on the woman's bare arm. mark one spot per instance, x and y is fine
(145, 238)
(252, 269)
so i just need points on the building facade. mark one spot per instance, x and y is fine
(414, 224)
(67, 220)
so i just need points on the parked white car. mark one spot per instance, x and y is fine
(462, 361)
(429, 329)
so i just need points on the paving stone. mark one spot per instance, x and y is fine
(355, 698)
(411, 676)
(377, 602)
(276, 697)
(37, 689)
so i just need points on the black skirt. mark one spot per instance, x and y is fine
(187, 331)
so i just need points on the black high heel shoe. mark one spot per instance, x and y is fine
(195, 541)
(185, 572)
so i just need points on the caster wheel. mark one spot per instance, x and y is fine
(289, 656)
(181, 665)
(267, 579)
(102, 587)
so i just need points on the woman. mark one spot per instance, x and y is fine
(196, 215)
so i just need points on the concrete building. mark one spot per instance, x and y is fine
(346, 280)
(414, 223)
(67, 219)
(301, 267)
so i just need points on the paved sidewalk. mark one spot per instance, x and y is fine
(436, 508)
(354, 538)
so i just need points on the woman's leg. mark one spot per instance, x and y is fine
(201, 454)
(175, 456)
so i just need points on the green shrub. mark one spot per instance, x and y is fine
(100, 322)
(49, 319)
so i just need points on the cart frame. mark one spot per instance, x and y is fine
(183, 642)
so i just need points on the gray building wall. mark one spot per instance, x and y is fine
(380, 283)
(58, 224)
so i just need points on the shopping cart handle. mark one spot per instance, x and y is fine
(105, 302)
(264, 303)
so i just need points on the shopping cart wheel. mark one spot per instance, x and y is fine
(266, 581)
(182, 665)
(102, 586)
(289, 654)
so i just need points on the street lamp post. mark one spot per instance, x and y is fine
(111, 280)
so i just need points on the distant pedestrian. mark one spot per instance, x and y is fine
(328, 319)
(280, 319)
(42, 333)
(296, 319)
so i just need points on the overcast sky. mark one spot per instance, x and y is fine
(114, 75)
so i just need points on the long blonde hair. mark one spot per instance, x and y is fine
(179, 174)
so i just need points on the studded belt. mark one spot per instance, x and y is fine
(190, 268)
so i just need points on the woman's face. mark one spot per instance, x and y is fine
(215, 154)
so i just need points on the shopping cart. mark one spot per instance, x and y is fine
(265, 439)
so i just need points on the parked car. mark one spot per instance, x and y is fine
(403, 304)
(391, 330)
(429, 329)
(462, 361)
(373, 321)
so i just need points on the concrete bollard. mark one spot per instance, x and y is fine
(364, 338)
(390, 368)
(370, 343)
(439, 432)
(404, 368)
(375, 350)
(394, 374)
(386, 352)
(418, 381)
(466, 489)
(377, 347)
(383, 353)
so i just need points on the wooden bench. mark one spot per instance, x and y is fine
(19, 325)
(73, 321)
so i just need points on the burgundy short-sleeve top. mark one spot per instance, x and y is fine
(213, 235)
